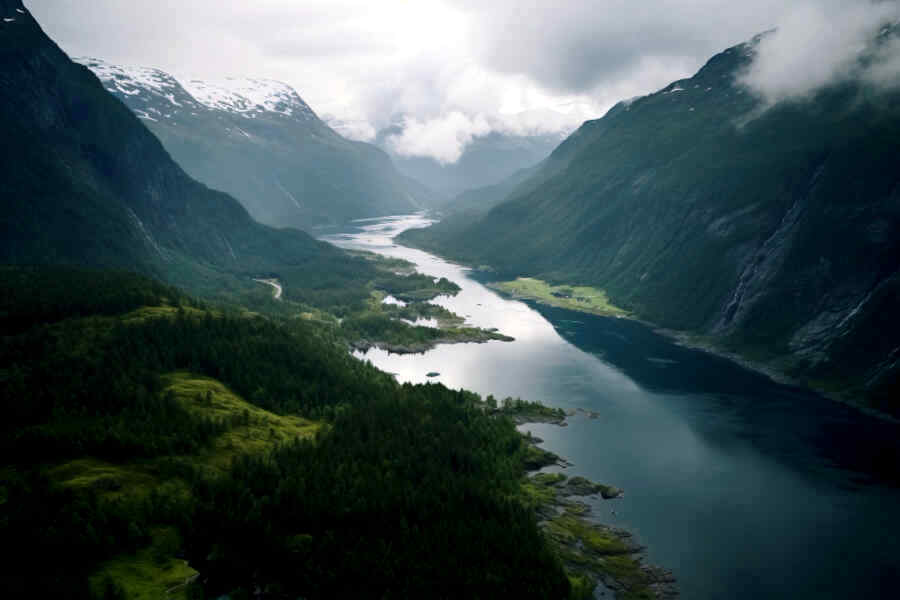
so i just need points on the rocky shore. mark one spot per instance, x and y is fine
(598, 558)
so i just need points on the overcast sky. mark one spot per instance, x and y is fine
(459, 68)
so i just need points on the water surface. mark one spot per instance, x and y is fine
(744, 488)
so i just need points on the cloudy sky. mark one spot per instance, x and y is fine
(460, 68)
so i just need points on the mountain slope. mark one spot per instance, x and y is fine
(84, 182)
(260, 142)
(774, 233)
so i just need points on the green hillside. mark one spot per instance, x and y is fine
(771, 231)
(138, 452)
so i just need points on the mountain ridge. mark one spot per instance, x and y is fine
(258, 140)
(770, 231)
(87, 184)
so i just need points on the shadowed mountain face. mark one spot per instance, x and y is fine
(775, 230)
(84, 182)
(259, 141)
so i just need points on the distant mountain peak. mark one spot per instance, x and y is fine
(259, 141)
(242, 96)
(131, 81)
(247, 96)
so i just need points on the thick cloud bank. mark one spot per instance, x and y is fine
(452, 69)
(820, 43)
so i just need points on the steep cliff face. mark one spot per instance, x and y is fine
(259, 141)
(775, 230)
(84, 182)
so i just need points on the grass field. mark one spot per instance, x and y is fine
(155, 572)
(581, 298)
(149, 574)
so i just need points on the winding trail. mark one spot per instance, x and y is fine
(274, 283)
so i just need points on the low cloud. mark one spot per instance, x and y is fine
(820, 43)
(454, 68)
(443, 138)
(885, 69)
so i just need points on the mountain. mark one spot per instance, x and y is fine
(154, 445)
(259, 141)
(85, 183)
(486, 160)
(769, 231)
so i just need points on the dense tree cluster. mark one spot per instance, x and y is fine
(412, 494)
(410, 490)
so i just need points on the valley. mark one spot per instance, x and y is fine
(549, 302)
(732, 481)
(767, 232)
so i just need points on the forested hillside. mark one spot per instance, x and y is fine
(151, 443)
(85, 183)
(771, 231)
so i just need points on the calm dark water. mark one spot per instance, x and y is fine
(744, 488)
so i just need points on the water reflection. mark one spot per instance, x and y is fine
(747, 489)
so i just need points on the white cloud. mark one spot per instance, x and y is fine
(818, 43)
(450, 66)
(443, 138)
(885, 70)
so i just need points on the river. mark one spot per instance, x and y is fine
(742, 487)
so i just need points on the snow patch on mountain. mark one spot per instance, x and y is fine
(242, 96)
(131, 80)
(248, 96)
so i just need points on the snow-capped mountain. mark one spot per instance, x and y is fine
(249, 97)
(243, 96)
(259, 141)
(152, 94)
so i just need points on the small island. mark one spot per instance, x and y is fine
(414, 325)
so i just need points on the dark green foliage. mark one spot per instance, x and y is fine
(411, 490)
(414, 493)
(30, 295)
(383, 328)
(85, 183)
(93, 386)
(416, 287)
(51, 538)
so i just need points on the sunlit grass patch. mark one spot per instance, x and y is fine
(253, 429)
(111, 481)
(250, 430)
(582, 298)
(157, 312)
(152, 573)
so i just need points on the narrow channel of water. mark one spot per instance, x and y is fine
(744, 488)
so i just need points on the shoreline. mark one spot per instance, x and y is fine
(481, 337)
(597, 557)
(694, 341)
